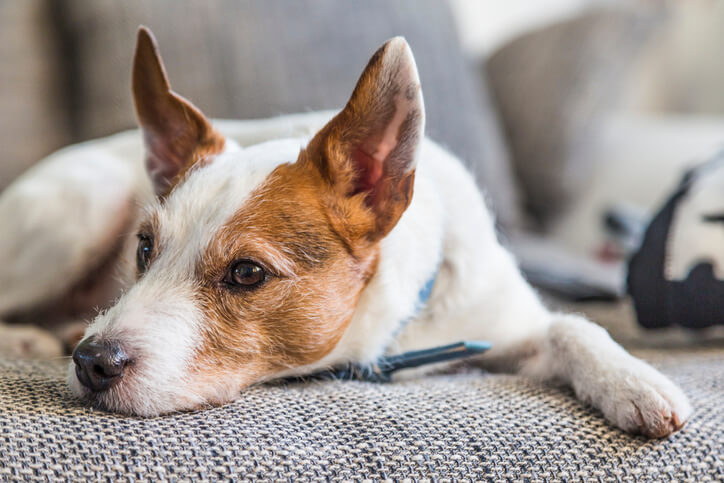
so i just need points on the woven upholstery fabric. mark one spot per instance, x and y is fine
(467, 426)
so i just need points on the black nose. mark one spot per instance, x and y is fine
(99, 365)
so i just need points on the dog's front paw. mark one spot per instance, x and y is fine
(28, 342)
(641, 400)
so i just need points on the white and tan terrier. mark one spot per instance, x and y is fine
(304, 249)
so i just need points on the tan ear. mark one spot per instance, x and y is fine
(175, 132)
(368, 151)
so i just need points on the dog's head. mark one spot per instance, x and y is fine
(251, 261)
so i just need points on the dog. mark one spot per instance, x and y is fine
(268, 249)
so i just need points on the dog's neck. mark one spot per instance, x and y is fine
(410, 256)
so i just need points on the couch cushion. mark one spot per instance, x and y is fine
(32, 120)
(247, 59)
(463, 426)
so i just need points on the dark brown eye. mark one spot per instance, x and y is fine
(143, 253)
(245, 274)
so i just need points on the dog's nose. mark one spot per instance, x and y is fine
(99, 365)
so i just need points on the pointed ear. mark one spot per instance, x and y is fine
(368, 151)
(175, 132)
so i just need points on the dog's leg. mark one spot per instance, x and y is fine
(31, 341)
(629, 392)
(28, 342)
(551, 347)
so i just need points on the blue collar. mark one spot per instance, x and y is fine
(383, 369)
(426, 291)
(423, 296)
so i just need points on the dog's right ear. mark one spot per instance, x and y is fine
(175, 132)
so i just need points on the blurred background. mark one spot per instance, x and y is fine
(578, 117)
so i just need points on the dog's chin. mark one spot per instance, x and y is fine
(132, 398)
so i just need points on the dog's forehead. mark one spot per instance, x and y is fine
(211, 194)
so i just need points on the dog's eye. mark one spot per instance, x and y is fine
(245, 274)
(143, 254)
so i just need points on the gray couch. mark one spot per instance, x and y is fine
(64, 68)
(467, 426)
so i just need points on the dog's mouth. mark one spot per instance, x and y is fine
(145, 393)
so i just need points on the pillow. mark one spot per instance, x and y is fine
(246, 59)
(676, 278)
(552, 86)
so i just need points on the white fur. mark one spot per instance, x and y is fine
(58, 210)
(78, 187)
(158, 319)
(478, 294)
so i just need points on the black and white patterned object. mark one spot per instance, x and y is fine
(677, 276)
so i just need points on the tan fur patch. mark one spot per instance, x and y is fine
(316, 270)
(369, 147)
(314, 226)
(201, 154)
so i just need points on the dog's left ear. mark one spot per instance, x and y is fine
(367, 153)
(175, 132)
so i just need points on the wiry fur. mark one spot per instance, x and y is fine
(345, 295)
